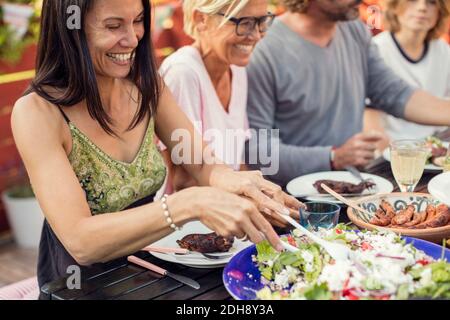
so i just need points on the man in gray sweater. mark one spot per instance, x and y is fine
(311, 77)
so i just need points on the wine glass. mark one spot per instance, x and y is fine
(408, 159)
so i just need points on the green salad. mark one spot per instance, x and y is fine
(437, 150)
(383, 267)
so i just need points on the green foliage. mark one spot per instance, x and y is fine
(11, 49)
(15, 180)
(21, 191)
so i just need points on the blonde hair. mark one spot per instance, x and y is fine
(298, 6)
(392, 24)
(209, 7)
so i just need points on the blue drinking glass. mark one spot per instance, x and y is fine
(319, 215)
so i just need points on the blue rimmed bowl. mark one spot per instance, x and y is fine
(399, 201)
(242, 278)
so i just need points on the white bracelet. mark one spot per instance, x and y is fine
(167, 214)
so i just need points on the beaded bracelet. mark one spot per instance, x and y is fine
(167, 214)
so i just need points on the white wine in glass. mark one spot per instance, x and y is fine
(408, 158)
(447, 161)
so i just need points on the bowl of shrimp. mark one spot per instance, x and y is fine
(415, 215)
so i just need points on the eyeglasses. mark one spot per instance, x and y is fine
(246, 25)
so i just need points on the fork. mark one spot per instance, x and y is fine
(214, 257)
(355, 172)
(326, 196)
(185, 252)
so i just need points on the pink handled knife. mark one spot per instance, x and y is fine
(150, 266)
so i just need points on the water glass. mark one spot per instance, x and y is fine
(319, 215)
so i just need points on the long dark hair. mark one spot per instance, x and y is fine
(64, 64)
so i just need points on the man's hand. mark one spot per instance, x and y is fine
(359, 151)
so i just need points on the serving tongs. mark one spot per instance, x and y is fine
(336, 250)
(348, 202)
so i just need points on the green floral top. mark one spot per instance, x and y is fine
(111, 185)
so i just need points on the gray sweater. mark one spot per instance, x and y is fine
(316, 96)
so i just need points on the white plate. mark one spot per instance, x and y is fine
(428, 167)
(439, 187)
(196, 262)
(305, 184)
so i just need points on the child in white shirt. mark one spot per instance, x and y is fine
(412, 48)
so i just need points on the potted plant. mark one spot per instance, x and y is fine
(19, 27)
(22, 209)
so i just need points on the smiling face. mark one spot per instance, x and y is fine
(223, 41)
(339, 10)
(113, 30)
(418, 15)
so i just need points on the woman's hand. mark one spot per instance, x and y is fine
(268, 197)
(225, 213)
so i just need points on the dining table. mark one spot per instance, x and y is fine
(122, 280)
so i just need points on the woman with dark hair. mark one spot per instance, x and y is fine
(85, 130)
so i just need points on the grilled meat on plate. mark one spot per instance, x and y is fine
(206, 243)
(343, 187)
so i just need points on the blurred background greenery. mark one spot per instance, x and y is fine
(12, 44)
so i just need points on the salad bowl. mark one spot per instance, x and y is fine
(244, 280)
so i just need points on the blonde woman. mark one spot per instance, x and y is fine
(208, 78)
(412, 48)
